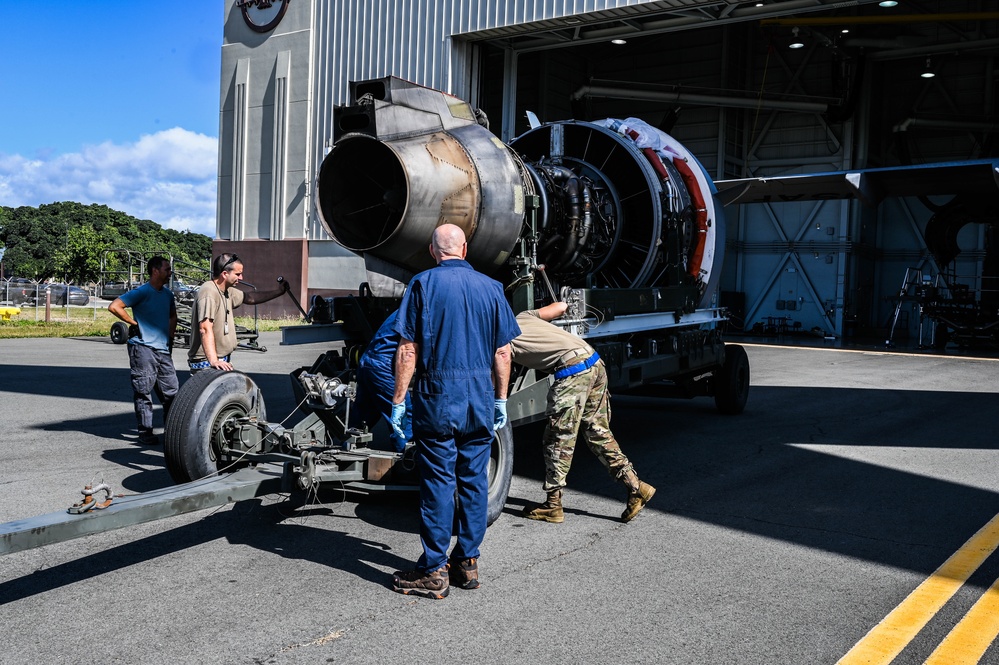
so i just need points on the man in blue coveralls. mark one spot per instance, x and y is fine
(455, 328)
(151, 328)
(376, 383)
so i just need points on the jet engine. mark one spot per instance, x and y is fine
(613, 205)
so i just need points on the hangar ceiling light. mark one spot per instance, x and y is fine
(795, 40)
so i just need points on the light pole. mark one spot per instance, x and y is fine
(65, 272)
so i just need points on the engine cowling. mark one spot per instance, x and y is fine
(622, 205)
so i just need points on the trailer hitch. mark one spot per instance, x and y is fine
(89, 502)
(307, 471)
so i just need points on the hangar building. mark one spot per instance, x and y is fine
(752, 88)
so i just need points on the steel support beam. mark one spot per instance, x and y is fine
(311, 334)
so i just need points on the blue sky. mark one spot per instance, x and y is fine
(113, 102)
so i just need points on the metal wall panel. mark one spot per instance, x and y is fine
(790, 258)
(264, 148)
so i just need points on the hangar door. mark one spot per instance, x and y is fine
(746, 105)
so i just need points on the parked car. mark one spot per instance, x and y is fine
(112, 290)
(57, 294)
(185, 293)
(19, 291)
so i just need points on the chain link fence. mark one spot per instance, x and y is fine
(45, 298)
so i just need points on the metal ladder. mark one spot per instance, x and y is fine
(908, 293)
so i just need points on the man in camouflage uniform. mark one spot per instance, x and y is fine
(578, 396)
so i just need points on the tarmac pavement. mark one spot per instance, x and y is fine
(782, 535)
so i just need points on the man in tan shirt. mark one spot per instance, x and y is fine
(578, 397)
(213, 326)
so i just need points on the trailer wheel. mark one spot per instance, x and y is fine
(500, 472)
(732, 381)
(119, 332)
(195, 427)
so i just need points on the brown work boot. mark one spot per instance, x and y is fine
(637, 500)
(418, 583)
(549, 511)
(465, 572)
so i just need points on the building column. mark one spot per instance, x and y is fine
(279, 171)
(237, 221)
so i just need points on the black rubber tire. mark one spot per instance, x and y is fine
(732, 381)
(119, 332)
(191, 443)
(500, 472)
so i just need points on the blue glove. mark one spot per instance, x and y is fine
(499, 419)
(398, 442)
(399, 420)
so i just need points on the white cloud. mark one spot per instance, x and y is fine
(168, 177)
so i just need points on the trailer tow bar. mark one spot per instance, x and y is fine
(139, 508)
(291, 295)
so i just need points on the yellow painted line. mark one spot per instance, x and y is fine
(972, 635)
(888, 638)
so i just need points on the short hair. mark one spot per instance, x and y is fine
(223, 261)
(155, 263)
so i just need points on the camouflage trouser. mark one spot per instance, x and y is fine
(580, 399)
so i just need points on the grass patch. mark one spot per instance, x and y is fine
(268, 325)
(94, 322)
(78, 322)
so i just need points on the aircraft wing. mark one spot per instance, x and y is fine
(870, 186)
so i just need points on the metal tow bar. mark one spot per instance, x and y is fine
(138, 508)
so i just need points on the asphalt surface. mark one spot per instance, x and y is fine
(782, 535)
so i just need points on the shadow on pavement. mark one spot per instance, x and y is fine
(266, 528)
(756, 472)
(760, 473)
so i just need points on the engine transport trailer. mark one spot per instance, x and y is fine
(615, 218)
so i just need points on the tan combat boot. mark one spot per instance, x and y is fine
(549, 511)
(639, 494)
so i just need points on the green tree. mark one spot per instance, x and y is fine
(30, 242)
(69, 239)
(80, 259)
